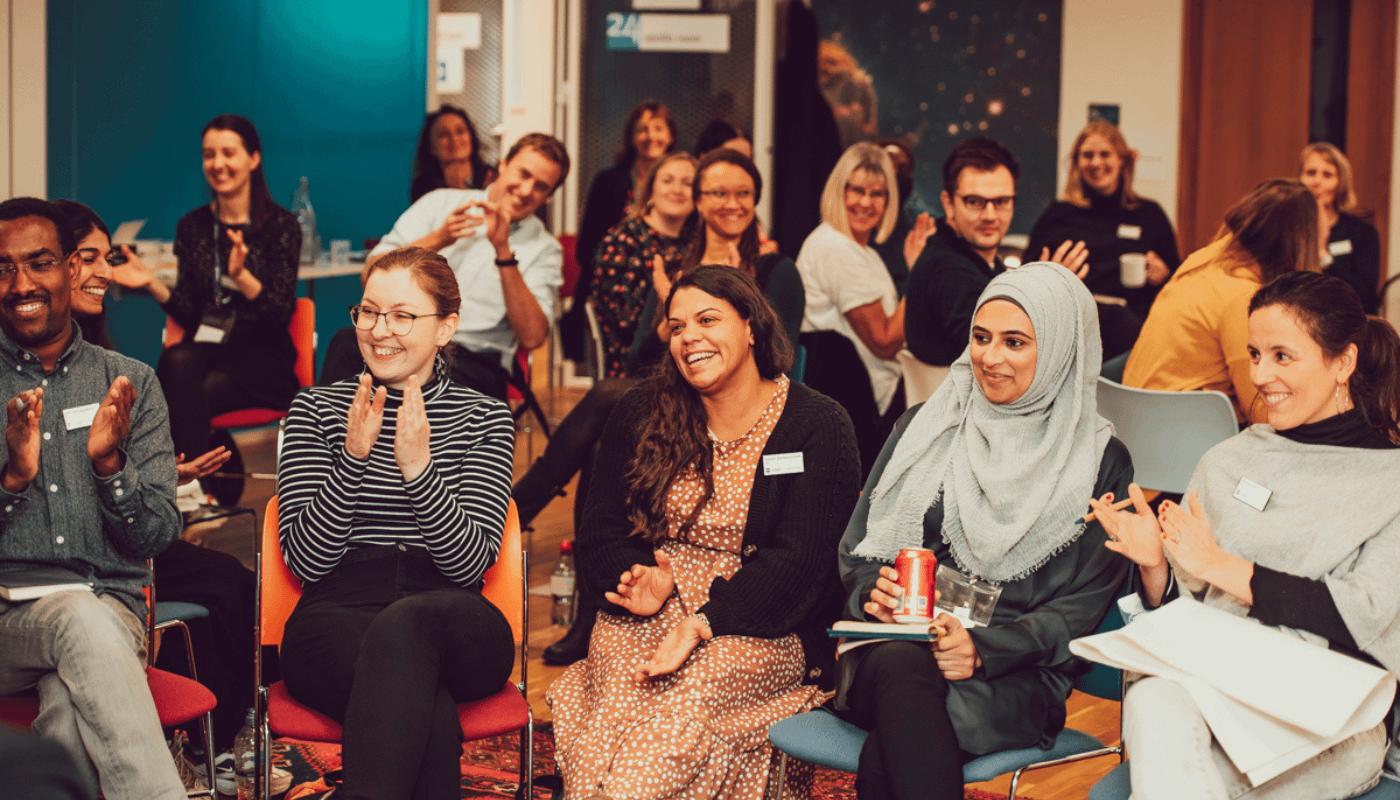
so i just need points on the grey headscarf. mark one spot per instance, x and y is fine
(1013, 477)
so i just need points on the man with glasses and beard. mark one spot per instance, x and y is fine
(87, 486)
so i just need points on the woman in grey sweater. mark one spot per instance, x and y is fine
(1313, 553)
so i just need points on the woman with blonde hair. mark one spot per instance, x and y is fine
(1197, 336)
(852, 304)
(1100, 207)
(1351, 246)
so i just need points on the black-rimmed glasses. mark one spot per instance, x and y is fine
(399, 323)
(977, 202)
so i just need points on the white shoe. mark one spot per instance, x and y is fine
(188, 496)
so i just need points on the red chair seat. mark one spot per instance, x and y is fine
(287, 717)
(246, 418)
(178, 699)
(19, 711)
(503, 712)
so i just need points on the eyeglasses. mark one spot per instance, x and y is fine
(977, 203)
(723, 195)
(36, 269)
(862, 192)
(399, 323)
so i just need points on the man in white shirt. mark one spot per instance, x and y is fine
(508, 265)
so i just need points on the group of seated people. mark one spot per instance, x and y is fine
(738, 512)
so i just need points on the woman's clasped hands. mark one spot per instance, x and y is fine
(411, 433)
(954, 651)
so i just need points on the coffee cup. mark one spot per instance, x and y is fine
(1132, 270)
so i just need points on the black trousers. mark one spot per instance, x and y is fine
(901, 697)
(220, 583)
(199, 386)
(570, 449)
(388, 647)
(479, 371)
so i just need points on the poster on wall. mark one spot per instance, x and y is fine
(456, 33)
(934, 72)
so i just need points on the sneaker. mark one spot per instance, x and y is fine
(226, 780)
(189, 496)
(188, 775)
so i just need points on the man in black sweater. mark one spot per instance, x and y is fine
(979, 197)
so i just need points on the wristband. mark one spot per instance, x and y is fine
(704, 620)
(508, 262)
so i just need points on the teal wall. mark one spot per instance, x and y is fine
(337, 90)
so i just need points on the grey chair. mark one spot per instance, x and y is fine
(1167, 432)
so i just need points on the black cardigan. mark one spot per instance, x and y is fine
(788, 580)
(943, 289)
(1360, 265)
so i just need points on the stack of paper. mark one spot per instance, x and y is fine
(1271, 699)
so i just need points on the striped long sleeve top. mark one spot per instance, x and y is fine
(331, 501)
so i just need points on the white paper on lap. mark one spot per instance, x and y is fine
(1271, 699)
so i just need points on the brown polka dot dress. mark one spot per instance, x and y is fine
(702, 731)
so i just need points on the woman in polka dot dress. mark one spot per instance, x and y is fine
(712, 550)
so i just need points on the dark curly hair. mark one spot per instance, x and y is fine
(675, 437)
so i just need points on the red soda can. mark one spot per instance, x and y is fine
(917, 569)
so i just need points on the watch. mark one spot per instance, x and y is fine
(508, 262)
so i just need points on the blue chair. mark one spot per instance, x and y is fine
(799, 364)
(1115, 786)
(822, 738)
(1114, 367)
(1167, 432)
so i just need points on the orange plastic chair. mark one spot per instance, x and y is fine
(503, 712)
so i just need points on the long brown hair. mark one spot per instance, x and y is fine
(1345, 198)
(675, 436)
(1276, 226)
(695, 225)
(1331, 313)
(260, 202)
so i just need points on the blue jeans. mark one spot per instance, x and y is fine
(86, 655)
(1174, 755)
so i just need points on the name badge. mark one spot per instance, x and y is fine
(782, 463)
(210, 334)
(1133, 232)
(1252, 494)
(1341, 248)
(80, 416)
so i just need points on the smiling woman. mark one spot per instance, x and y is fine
(715, 578)
(850, 295)
(234, 293)
(394, 488)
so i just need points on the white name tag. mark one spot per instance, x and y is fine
(782, 463)
(80, 416)
(1252, 494)
(1341, 248)
(1133, 232)
(210, 334)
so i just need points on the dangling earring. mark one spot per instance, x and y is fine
(1341, 404)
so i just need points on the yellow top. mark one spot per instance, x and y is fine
(1197, 334)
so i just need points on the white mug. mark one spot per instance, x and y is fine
(1132, 270)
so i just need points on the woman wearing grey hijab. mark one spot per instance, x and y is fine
(992, 474)
(1311, 550)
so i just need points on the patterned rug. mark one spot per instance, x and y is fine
(490, 769)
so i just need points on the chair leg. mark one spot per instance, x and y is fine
(206, 729)
(782, 774)
(1015, 779)
(527, 759)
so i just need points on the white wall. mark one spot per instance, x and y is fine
(23, 108)
(1129, 54)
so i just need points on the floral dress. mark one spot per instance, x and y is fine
(621, 280)
(702, 731)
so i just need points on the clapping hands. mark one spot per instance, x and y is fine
(412, 432)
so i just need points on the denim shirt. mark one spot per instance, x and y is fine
(69, 516)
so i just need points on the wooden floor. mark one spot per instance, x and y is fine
(555, 524)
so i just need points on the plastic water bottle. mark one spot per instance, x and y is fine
(301, 206)
(245, 762)
(561, 585)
